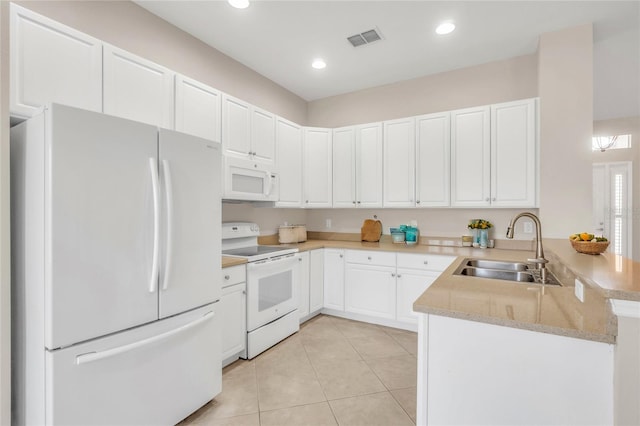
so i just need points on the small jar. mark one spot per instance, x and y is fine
(484, 238)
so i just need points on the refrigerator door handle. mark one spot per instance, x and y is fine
(153, 167)
(168, 187)
(97, 356)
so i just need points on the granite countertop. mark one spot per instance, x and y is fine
(548, 309)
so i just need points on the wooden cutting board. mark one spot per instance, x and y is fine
(371, 230)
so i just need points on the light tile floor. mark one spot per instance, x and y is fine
(332, 372)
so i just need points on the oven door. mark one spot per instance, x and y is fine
(272, 290)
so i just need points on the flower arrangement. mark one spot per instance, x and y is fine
(479, 224)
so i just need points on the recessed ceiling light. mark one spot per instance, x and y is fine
(318, 64)
(239, 4)
(445, 28)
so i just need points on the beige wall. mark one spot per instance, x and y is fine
(623, 126)
(565, 87)
(450, 223)
(5, 258)
(494, 82)
(130, 27)
(267, 218)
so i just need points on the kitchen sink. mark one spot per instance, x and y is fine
(498, 274)
(503, 270)
(495, 264)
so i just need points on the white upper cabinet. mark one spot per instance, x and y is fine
(248, 132)
(433, 143)
(197, 109)
(513, 154)
(137, 89)
(289, 151)
(369, 165)
(493, 155)
(51, 62)
(399, 163)
(317, 167)
(344, 167)
(357, 166)
(470, 157)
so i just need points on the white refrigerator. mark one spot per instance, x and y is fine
(116, 270)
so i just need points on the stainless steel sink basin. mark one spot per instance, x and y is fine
(498, 274)
(495, 264)
(503, 270)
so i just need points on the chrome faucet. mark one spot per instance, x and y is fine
(539, 261)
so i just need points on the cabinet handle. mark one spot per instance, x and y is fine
(369, 257)
(393, 275)
(417, 201)
(255, 166)
(426, 262)
(353, 202)
(399, 276)
(487, 199)
(340, 255)
(299, 259)
(226, 277)
(358, 202)
(244, 291)
(307, 201)
(493, 199)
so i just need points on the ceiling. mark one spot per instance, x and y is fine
(279, 39)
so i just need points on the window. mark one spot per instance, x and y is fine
(602, 143)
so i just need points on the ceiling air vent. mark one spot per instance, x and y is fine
(364, 38)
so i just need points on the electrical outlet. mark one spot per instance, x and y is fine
(579, 290)
(327, 224)
(528, 227)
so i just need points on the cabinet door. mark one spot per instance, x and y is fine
(316, 280)
(399, 163)
(197, 109)
(137, 89)
(263, 137)
(289, 145)
(344, 172)
(303, 284)
(51, 62)
(334, 279)
(317, 167)
(410, 285)
(513, 154)
(470, 157)
(369, 165)
(433, 144)
(233, 319)
(370, 290)
(236, 127)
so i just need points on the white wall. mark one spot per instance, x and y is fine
(5, 255)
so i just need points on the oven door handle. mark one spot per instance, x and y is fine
(277, 261)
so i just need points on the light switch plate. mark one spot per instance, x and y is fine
(579, 290)
(528, 227)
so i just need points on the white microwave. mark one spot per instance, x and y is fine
(248, 180)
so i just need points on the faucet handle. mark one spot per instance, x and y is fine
(539, 261)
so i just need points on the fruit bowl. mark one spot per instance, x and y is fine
(590, 247)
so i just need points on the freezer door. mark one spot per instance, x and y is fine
(98, 225)
(156, 374)
(190, 258)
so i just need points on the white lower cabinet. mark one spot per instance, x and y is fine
(411, 283)
(303, 284)
(233, 307)
(370, 290)
(334, 279)
(316, 280)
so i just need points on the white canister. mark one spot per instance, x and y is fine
(287, 234)
(301, 233)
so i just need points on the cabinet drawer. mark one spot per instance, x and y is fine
(429, 262)
(234, 275)
(367, 257)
